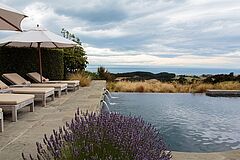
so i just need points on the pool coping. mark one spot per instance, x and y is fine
(226, 155)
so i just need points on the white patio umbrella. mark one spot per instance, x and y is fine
(38, 38)
(10, 18)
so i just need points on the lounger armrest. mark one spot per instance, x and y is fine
(19, 85)
(45, 79)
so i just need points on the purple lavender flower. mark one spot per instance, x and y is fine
(107, 136)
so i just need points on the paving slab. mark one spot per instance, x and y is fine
(228, 155)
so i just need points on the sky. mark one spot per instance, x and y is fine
(155, 33)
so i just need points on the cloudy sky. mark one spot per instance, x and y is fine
(169, 33)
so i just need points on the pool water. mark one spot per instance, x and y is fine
(187, 122)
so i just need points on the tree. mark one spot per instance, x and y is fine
(75, 59)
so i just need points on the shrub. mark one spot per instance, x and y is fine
(106, 136)
(84, 78)
(220, 78)
(104, 74)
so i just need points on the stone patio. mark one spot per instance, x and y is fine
(21, 136)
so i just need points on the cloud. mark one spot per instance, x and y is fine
(110, 57)
(100, 33)
(154, 32)
(44, 15)
(157, 61)
(96, 14)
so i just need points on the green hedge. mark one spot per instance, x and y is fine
(53, 64)
(24, 60)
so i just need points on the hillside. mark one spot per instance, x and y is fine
(138, 76)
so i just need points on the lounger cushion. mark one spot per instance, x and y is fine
(3, 85)
(15, 79)
(14, 99)
(73, 82)
(58, 85)
(36, 77)
(29, 90)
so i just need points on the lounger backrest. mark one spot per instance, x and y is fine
(3, 85)
(36, 77)
(15, 78)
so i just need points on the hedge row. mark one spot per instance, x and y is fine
(24, 60)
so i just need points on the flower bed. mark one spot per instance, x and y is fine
(107, 136)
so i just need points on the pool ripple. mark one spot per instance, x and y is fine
(187, 122)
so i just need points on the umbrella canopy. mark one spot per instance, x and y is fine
(38, 38)
(10, 18)
(32, 37)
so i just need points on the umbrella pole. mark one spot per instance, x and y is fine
(40, 60)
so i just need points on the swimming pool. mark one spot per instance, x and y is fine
(187, 122)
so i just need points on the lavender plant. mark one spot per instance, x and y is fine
(107, 136)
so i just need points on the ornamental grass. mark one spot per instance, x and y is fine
(84, 78)
(169, 87)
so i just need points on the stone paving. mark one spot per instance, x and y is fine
(21, 136)
(230, 155)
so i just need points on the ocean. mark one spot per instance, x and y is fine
(179, 71)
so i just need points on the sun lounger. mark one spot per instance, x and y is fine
(1, 120)
(41, 94)
(19, 81)
(36, 77)
(14, 102)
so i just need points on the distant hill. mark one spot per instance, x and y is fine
(169, 77)
(221, 78)
(138, 76)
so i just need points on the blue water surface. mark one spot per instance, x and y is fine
(176, 70)
(187, 122)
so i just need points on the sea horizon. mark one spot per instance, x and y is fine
(176, 70)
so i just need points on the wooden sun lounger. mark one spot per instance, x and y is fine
(58, 88)
(19, 81)
(71, 84)
(41, 94)
(14, 102)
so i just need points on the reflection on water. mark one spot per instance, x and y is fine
(188, 122)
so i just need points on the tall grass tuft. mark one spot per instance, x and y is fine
(173, 87)
(84, 78)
